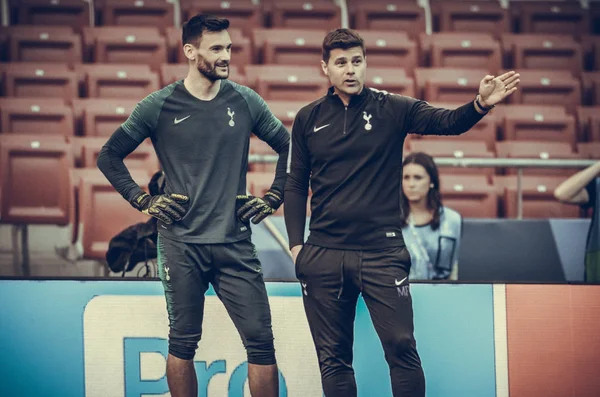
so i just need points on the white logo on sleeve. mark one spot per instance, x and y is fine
(400, 282)
(367, 118)
(167, 276)
(177, 121)
(321, 127)
(230, 114)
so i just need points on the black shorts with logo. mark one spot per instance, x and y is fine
(234, 270)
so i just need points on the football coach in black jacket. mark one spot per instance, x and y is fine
(348, 146)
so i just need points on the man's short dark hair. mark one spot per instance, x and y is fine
(341, 38)
(192, 30)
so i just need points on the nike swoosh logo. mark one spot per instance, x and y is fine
(177, 121)
(321, 127)
(401, 281)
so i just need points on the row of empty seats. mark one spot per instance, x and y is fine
(284, 82)
(147, 45)
(401, 15)
(48, 104)
(38, 185)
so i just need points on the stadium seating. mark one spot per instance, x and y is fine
(124, 44)
(543, 51)
(385, 15)
(459, 149)
(74, 13)
(97, 198)
(538, 122)
(470, 195)
(286, 111)
(289, 46)
(548, 87)
(392, 80)
(538, 197)
(390, 49)
(156, 13)
(243, 14)
(537, 150)
(39, 116)
(282, 82)
(550, 17)
(40, 80)
(473, 16)
(34, 170)
(462, 50)
(44, 44)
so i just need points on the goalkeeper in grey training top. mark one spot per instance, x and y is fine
(200, 128)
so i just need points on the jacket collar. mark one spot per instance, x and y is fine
(354, 100)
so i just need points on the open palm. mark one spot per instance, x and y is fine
(494, 89)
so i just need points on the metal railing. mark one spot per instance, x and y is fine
(519, 164)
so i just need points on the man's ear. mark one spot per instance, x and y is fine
(325, 68)
(190, 52)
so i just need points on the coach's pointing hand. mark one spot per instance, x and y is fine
(494, 89)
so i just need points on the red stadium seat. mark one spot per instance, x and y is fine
(448, 84)
(31, 115)
(391, 80)
(550, 17)
(282, 82)
(97, 199)
(589, 150)
(243, 14)
(128, 45)
(463, 50)
(302, 14)
(471, 16)
(156, 13)
(470, 195)
(40, 80)
(119, 81)
(385, 15)
(44, 44)
(390, 49)
(538, 123)
(548, 87)
(74, 13)
(35, 186)
(290, 46)
(538, 197)
(484, 130)
(286, 111)
(537, 150)
(101, 117)
(459, 149)
(543, 51)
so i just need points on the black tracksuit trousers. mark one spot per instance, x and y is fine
(331, 282)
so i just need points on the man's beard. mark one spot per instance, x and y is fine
(210, 71)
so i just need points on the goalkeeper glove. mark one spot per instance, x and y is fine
(164, 207)
(258, 208)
